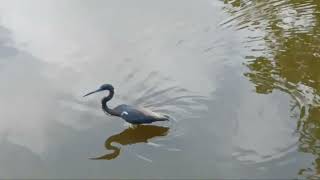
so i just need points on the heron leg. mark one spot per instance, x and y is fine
(133, 126)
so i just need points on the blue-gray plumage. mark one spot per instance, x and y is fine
(131, 114)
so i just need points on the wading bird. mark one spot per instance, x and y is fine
(131, 114)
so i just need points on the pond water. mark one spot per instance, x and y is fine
(240, 78)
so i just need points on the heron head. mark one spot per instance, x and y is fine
(106, 87)
(101, 88)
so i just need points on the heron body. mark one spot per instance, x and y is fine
(131, 114)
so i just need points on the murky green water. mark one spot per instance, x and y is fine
(241, 79)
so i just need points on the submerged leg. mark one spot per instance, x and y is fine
(133, 126)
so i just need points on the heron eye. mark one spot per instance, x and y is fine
(124, 113)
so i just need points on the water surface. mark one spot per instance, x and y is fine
(240, 78)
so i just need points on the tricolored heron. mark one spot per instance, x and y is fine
(131, 114)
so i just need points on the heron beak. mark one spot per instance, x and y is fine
(92, 92)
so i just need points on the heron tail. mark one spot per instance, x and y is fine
(165, 118)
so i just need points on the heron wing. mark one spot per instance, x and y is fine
(139, 115)
(150, 113)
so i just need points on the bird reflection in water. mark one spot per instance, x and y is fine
(139, 134)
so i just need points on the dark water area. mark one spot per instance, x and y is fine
(241, 80)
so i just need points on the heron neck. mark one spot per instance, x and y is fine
(105, 106)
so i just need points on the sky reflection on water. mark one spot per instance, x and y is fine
(240, 77)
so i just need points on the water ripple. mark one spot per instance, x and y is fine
(281, 42)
